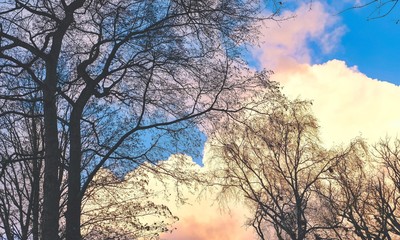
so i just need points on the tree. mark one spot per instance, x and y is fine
(349, 195)
(363, 193)
(21, 173)
(275, 160)
(122, 208)
(109, 70)
(387, 193)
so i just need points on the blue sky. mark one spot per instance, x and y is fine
(370, 43)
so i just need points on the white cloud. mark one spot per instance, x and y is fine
(346, 102)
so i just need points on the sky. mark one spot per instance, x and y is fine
(327, 35)
(369, 42)
(346, 62)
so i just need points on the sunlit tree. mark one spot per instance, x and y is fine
(363, 192)
(274, 159)
(123, 208)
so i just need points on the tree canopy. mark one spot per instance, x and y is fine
(103, 72)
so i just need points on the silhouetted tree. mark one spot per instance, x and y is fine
(388, 185)
(21, 152)
(123, 208)
(107, 70)
(348, 194)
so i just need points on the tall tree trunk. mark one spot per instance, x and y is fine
(51, 186)
(73, 217)
(36, 167)
(74, 202)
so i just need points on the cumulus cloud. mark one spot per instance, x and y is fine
(346, 102)
(211, 224)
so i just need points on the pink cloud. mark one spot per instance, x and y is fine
(203, 215)
(284, 44)
(215, 227)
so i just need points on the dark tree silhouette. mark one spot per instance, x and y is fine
(21, 152)
(105, 71)
(387, 187)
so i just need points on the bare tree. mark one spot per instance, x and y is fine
(114, 69)
(123, 208)
(348, 193)
(274, 158)
(363, 192)
(21, 173)
(388, 186)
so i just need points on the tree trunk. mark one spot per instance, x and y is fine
(73, 216)
(51, 186)
(74, 203)
(36, 167)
